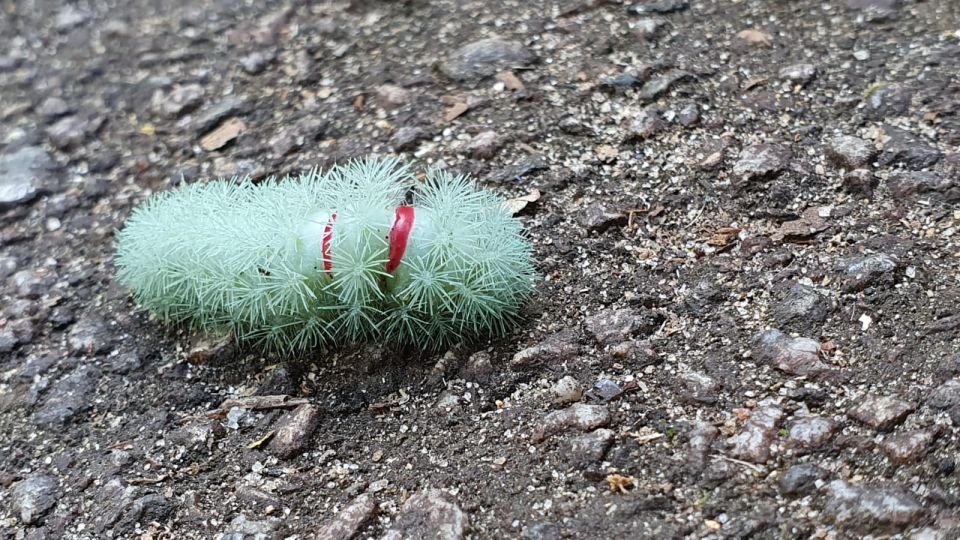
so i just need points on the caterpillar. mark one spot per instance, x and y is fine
(330, 257)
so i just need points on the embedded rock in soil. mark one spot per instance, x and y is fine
(803, 309)
(872, 509)
(484, 145)
(646, 124)
(798, 73)
(69, 397)
(589, 448)
(294, 430)
(241, 528)
(661, 7)
(867, 271)
(761, 161)
(24, 174)
(89, 335)
(910, 446)
(555, 348)
(701, 443)
(567, 390)
(802, 479)
(72, 131)
(408, 138)
(661, 83)
(901, 147)
(796, 356)
(348, 522)
(753, 442)
(945, 396)
(882, 412)
(812, 431)
(905, 184)
(179, 101)
(577, 416)
(860, 182)
(851, 152)
(886, 101)
(430, 513)
(613, 326)
(486, 57)
(599, 218)
(700, 387)
(33, 497)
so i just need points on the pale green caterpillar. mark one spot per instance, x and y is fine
(330, 258)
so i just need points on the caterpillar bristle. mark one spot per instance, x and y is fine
(300, 262)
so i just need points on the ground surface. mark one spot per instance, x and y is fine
(746, 323)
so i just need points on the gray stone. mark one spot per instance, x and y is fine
(647, 29)
(349, 521)
(589, 448)
(53, 107)
(557, 347)
(701, 443)
(255, 62)
(486, 57)
(430, 513)
(605, 390)
(613, 325)
(872, 509)
(663, 82)
(567, 390)
(598, 218)
(882, 412)
(861, 182)
(689, 115)
(761, 161)
(700, 387)
(34, 496)
(908, 447)
(89, 335)
(755, 439)
(72, 131)
(796, 356)
(179, 101)
(862, 272)
(851, 152)
(484, 145)
(802, 479)
(803, 309)
(241, 528)
(886, 100)
(33, 283)
(901, 147)
(408, 138)
(646, 124)
(577, 416)
(294, 430)
(661, 7)
(799, 73)
(68, 398)
(945, 396)
(907, 184)
(812, 431)
(25, 173)
(211, 116)
(69, 17)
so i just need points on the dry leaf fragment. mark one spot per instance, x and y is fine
(456, 110)
(518, 204)
(509, 80)
(755, 37)
(621, 484)
(229, 130)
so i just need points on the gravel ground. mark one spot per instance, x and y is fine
(743, 216)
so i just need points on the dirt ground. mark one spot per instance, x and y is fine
(746, 320)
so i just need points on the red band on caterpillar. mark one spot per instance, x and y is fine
(325, 245)
(399, 234)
